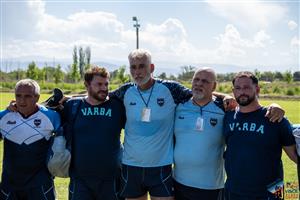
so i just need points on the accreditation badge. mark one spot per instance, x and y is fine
(146, 113)
(200, 124)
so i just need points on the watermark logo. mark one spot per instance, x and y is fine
(291, 190)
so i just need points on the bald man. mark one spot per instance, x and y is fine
(199, 144)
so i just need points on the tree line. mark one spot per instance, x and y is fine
(81, 63)
(54, 74)
(188, 71)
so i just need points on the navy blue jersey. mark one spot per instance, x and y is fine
(26, 143)
(95, 137)
(253, 153)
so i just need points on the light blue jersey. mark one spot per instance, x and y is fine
(198, 154)
(150, 143)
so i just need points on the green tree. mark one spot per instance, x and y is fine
(41, 75)
(288, 76)
(32, 71)
(49, 73)
(278, 76)
(16, 75)
(81, 62)
(296, 76)
(163, 75)
(257, 73)
(74, 73)
(121, 75)
(172, 77)
(87, 58)
(267, 76)
(58, 74)
(187, 73)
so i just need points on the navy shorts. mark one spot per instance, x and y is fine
(137, 181)
(183, 192)
(43, 192)
(92, 188)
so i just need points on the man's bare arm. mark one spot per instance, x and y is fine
(291, 152)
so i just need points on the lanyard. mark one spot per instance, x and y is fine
(201, 107)
(148, 97)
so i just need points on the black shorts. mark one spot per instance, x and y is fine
(92, 188)
(137, 181)
(183, 192)
(43, 192)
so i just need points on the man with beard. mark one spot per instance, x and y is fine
(199, 142)
(94, 137)
(254, 146)
(148, 144)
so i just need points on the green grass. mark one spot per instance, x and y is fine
(292, 109)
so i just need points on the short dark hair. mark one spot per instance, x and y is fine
(246, 74)
(95, 71)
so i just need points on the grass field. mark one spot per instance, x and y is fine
(292, 109)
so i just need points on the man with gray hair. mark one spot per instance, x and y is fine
(148, 144)
(26, 135)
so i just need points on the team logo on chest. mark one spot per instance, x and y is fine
(37, 122)
(160, 101)
(213, 121)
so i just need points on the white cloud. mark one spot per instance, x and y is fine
(295, 41)
(261, 39)
(22, 48)
(50, 36)
(231, 42)
(295, 45)
(170, 35)
(102, 26)
(232, 46)
(249, 14)
(292, 25)
(104, 33)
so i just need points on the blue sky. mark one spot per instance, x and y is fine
(250, 34)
